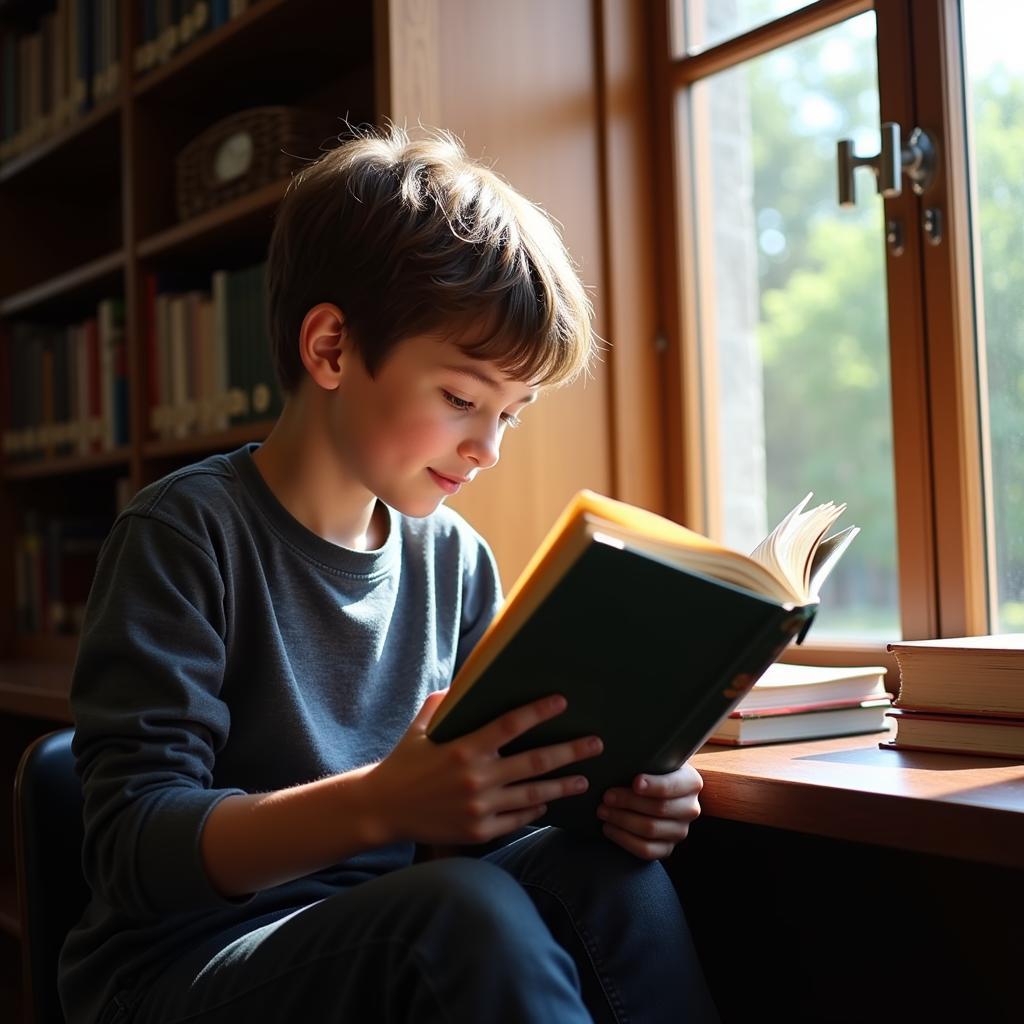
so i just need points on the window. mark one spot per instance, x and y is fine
(994, 84)
(839, 349)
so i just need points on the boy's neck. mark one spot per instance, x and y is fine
(302, 473)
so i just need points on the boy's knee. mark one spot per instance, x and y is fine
(480, 899)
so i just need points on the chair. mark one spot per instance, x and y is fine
(52, 892)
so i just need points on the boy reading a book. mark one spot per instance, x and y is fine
(269, 632)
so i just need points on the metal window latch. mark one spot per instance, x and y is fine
(916, 160)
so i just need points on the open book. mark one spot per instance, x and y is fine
(651, 631)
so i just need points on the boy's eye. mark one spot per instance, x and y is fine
(455, 402)
(464, 405)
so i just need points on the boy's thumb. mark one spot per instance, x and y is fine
(426, 712)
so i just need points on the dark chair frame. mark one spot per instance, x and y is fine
(52, 891)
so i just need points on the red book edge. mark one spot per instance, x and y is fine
(821, 705)
(732, 741)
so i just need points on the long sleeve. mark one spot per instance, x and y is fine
(481, 596)
(149, 718)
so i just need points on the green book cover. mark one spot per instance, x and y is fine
(652, 633)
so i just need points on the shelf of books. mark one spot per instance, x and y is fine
(144, 147)
(132, 334)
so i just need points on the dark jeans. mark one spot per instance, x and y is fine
(549, 928)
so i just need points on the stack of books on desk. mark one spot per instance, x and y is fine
(804, 702)
(963, 695)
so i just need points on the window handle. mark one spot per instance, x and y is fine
(916, 159)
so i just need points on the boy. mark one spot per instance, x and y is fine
(264, 626)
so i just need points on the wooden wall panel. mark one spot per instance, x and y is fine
(637, 362)
(519, 84)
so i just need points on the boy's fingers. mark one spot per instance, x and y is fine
(642, 848)
(675, 808)
(427, 709)
(513, 724)
(514, 798)
(644, 826)
(541, 760)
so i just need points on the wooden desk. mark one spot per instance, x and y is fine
(970, 808)
(832, 882)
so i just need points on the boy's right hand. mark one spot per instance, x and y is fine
(465, 791)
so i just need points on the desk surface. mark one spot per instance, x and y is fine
(848, 788)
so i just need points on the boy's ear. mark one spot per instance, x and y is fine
(323, 341)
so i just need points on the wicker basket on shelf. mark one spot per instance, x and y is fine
(244, 152)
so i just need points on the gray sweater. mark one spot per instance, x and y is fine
(228, 649)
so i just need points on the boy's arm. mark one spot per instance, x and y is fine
(463, 792)
(149, 720)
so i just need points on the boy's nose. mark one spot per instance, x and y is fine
(482, 449)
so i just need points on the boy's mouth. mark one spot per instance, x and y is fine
(446, 483)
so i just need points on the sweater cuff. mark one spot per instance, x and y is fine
(170, 862)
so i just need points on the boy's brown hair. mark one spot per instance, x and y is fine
(408, 237)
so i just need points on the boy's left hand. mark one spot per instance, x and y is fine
(655, 814)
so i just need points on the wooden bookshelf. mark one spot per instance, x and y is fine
(93, 212)
(78, 142)
(88, 212)
(97, 276)
(35, 689)
(244, 218)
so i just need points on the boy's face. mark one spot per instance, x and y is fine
(428, 423)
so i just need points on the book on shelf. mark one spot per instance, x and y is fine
(791, 702)
(54, 562)
(984, 735)
(972, 675)
(651, 631)
(66, 386)
(56, 69)
(209, 364)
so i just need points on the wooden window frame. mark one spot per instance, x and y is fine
(937, 371)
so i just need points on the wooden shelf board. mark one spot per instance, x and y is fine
(203, 48)
(271, 57)
(36, 689)
(65, 464)
(77, 279)
(237, 214)
(223, 441)
(100, 118)
(950, 805)
(10, 922)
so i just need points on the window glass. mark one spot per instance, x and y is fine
(792, 309)
(699, 24)
(994, 71)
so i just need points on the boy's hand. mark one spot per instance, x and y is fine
(464, 791)
(649, 819)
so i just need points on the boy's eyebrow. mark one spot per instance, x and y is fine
(470, 371)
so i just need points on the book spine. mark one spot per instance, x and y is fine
(747, 667)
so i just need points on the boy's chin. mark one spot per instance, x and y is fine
(418, 507)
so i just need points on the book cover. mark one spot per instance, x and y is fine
(650, 658)
(983, 735)
(778, 725)
(785, 685)
(977, 675)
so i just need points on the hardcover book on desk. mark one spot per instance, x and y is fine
(652, 632)
(804, 702)
(961, 695)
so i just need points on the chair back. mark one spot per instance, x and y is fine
(52, 891)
